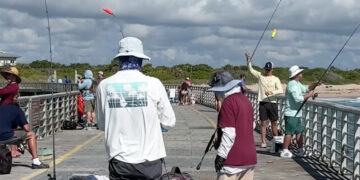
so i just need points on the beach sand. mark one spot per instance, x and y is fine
(338, 91)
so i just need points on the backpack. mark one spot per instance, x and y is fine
(93, 86)
(5, 160)
(69, 125)
(176, 174)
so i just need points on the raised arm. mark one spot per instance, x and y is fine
(255, 73)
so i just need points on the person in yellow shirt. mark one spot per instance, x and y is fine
(269, 87)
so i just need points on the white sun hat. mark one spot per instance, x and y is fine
(131, 46)
(295, 70)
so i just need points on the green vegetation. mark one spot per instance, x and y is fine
(39, 71)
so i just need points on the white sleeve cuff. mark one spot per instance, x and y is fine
(227, 141)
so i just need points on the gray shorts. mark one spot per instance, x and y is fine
(147, 170)
(89, 105)
(19, 136)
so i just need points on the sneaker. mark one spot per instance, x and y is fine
(263, 145)
(300, 153)
(40, 166)
(286, 154)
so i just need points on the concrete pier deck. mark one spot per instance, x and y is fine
(83, 152)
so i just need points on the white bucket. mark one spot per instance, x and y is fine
(276, 143)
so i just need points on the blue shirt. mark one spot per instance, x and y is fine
(294, 96)
(242, 85)
(11, 117)
(68, 81)
(85, 86)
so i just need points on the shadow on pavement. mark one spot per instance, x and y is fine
(317, 169)
(312, 166)
(266, 152)
(19, 164)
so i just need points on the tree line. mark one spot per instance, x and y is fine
(39, 71)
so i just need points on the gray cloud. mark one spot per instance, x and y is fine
(214, 32)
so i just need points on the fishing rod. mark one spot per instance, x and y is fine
(53, 177)
(262, 35)
(207, 149)
(108, 11)
(328, 68)
(258, 43)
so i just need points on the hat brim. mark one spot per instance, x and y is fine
(139, 55)
(227, 87)
(296, 73)
(3, 73)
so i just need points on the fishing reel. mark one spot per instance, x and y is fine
(315, 96)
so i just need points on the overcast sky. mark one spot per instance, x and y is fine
(213, 32)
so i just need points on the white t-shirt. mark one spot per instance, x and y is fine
(130, 108)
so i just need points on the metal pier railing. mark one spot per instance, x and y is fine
(43, 110)
(332, 131)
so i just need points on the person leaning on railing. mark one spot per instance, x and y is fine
(295, 94)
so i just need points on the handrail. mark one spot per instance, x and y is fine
(55, 87)
(43, 110)
(332, 131)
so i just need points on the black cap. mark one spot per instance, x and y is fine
(269, 65)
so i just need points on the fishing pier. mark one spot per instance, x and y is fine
(332, 140)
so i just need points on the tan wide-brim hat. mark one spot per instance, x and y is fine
(13, 71)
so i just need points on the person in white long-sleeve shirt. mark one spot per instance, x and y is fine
(236, 152)
(269, 86)
(132, 109)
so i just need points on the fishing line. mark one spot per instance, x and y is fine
(258, 43)
(244, 48)
(52, 94)
(108, 11)
(328, 68)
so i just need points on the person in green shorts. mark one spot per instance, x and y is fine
(295, 94)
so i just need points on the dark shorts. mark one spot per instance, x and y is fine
(293, 125)
(19, 136)
(268, 111)
(147, 170)
(89, 105)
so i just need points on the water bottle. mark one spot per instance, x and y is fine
(272, 147)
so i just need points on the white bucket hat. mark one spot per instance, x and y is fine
(295, 70)
(131, 46)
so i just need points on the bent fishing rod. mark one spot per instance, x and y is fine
(328, 68)
(53, 177)
(258, 43)
(266, 27)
